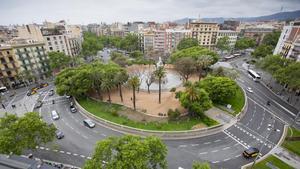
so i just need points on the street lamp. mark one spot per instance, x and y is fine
(270, 128)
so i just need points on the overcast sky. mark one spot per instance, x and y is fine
(96, 11)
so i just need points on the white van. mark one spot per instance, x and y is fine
(3, 89)
(54, 115)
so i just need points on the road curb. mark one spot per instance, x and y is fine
(270, 152)
(165, 135)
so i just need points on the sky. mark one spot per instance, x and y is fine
(96, 11)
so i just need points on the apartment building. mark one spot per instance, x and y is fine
(258, 32)
(288, 44)
(205, 32)
(159, 40)
(173, 37)
(18, 57)
(148, 41)
(30, 31)
(232, 35)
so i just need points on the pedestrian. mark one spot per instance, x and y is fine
(3, 106)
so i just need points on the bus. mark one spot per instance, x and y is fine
(256, 77)
(232, 56)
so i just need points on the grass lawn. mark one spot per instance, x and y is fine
(109, 112)
(274, 161)
(237, 103)
(293, 146)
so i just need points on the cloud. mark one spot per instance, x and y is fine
(91, 11)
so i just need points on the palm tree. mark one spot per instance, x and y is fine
(134, 82)
(202, 63)
(120, 78)
(192, 92)
(96, 77)
(159, 73)
(106, 85)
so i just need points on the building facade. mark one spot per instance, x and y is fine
(9, 66)
(206, 33)
(173, 37)
(232, 35)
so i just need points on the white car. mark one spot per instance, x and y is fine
(249, 90)
(54, 115)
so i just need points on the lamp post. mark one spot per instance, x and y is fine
(270, 128)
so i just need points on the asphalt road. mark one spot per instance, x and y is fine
(222, 150)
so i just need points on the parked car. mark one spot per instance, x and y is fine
(251, 152)
(38, 104)
(59, 134)
(51, 93)
(89, 123)
(68, 97)
(35, 88)
(54, 115)
(249, 89)
(73, 109)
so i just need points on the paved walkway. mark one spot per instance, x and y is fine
(289, 158)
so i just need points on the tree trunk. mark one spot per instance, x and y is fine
(99, 94)
(133, 90)
(121, 95)
(199, 75)
(109, 99)
(159, 90)
(148, 88)
(186, 78)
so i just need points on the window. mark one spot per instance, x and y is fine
(25, 49)
(48, 39)
(61, 42)
(49, 43)
(55, 42)
(50, 48)
(7, 52)
(54, 38)
(59, 37)
(10, 59)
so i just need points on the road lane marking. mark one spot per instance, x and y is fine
(193, 145)
(203, 153)
(214, 151)
(75, 154)
(226, 148)
(89, 158)
(235, 139)
(68, 153)
(226, 159)
(217, 141)
(61, 151)
(55, 150)
(82, 156)
(47, 149)
(215, 162)
(182, 146)
(207, 143)
(237, 156)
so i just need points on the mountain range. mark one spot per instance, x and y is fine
(281, 16)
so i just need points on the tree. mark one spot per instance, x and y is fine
(262, 51)
(271, 39)
(185, 67)
(149, 79)
(136, 54)
(120, 78)
(199, 165)
(202, 63)
(195, 99)
(129, 152)
(223, 44)
(21, 133)
(130, 42)
(107, 84)
(194, 52)
(91, 44)
(187, 43)
(134, 82)
(222, 71)
(159, 73)
(219, 88)
(58, 60)
(244, 43)
(122, 61)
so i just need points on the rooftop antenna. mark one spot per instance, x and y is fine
(199, 17)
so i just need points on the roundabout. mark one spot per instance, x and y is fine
(222, 149)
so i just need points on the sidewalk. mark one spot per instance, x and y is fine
(287, 157)
(278, 89)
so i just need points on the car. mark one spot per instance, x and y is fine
(54, 115)
(44, 85)
(249, 89)
(68, 97)
(73, 109)
(51, 93)
(32, 92)
(89, 123)
(38, 104)
(59, 134)
(251, 152)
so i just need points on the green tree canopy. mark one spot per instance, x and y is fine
(91, 44)
(59, 60)
(262, 51)
(195, 53)
(271, 39)
(21, 133)
(130, 42)
(195, 99)
(128, 152)
(187, 43)
(244, 43)
(136, 54)
(198, 165)
(219, 88)
(223, 43)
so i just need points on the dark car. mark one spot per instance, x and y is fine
(38, 104)
(51, 93)
(59, 134)
(73, 109)
(251, 152)
(89, 123)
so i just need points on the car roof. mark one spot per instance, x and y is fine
(252, 150)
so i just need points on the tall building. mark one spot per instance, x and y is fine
(288, 44)
(173, 37)
(31, 31)
(205, 32)
(148, 41)
(232, 35)
(159, 41)
(230, 25)
(20, 56)
(257, 33)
